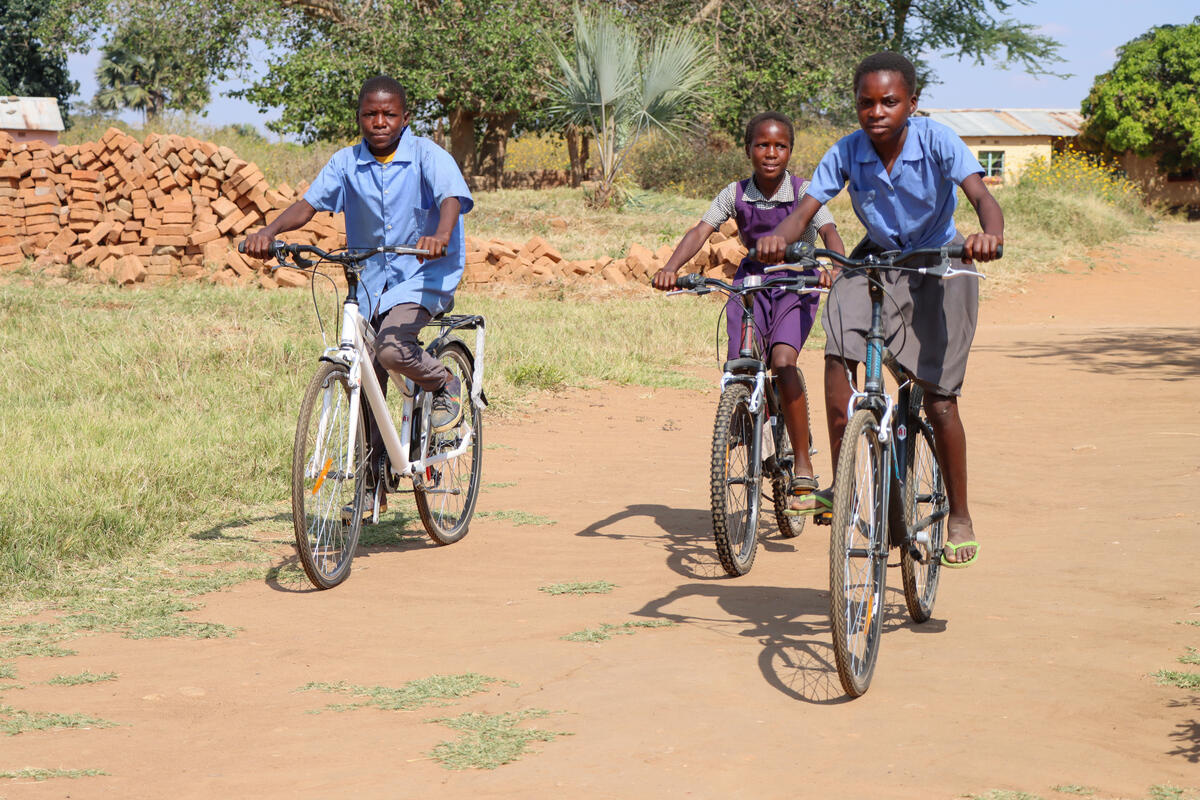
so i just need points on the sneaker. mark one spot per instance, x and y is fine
(447, 406)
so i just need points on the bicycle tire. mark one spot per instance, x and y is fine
(734, 487)
(327, 499)
(445, 520)
(924, 497)
(858, 554)
(790, 526)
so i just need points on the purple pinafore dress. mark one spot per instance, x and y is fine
(780, 317)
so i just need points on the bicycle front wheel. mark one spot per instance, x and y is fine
(858, 554)
(328, 478)
(925, 508)
(447, 491)
(734, 482)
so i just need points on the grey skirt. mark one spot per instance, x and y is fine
(928, 322)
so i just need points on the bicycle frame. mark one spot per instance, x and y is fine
(355, 349)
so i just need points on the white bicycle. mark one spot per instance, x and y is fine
(330, 473)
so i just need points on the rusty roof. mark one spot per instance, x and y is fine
(1008, 121)
(30, 114)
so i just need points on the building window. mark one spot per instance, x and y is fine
(993, 163)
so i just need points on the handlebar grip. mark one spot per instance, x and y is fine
(792, 253)
(693, 280)
(956, 251)
(275, 246)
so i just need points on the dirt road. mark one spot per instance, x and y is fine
(1081, 410)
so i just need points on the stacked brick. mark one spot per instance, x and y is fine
(172, 208)
(151, 211)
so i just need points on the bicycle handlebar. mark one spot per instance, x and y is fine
(694, 281)
(804, 254)
(347, 259)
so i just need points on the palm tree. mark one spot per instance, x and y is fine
(129, 80)
(619, 93)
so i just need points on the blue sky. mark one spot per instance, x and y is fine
(1089, 31)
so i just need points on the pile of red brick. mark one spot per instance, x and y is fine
(173, 207)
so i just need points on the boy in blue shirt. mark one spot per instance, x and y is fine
(902, 172)
(395, 188)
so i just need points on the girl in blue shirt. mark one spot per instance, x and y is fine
(902, 172)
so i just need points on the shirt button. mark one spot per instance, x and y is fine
(389, 227)
(385, 191)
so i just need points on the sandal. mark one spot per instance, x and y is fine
(804, 489)
(953, 548)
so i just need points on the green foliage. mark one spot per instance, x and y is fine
(45, 774)
(7, 672)
(612, 86)
(517, 518)
(14, 721)
(29, 66)
(414, 694)
(1147, 102)
(1179, 679)
(697, 167)
(82, 678)
(578, 587)
(1075, 788)
(607, 630)
(489, 740)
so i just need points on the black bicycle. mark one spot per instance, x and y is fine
(750, 440)
(888, 484)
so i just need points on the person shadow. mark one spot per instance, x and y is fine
(686, 535)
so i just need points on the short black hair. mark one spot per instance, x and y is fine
(887, 61)
(382, 84)
(769, 116)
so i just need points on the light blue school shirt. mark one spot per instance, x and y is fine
(396, 204)
(914, 206)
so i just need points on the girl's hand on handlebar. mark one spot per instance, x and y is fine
(826, 277)
(258, 244)
(664, 279)
(435, 244)
(981, 247)
(771, 249)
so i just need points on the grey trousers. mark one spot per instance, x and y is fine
(398, 352)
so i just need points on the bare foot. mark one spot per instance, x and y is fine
(814, 502)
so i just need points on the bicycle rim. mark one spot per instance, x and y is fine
(734, 483)
(327, 493)
(857, 555)
(449, 489)
(925, 499)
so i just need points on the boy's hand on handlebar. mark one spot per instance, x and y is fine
(664, 279)
(771, 249)
(981, 247)
(258, 244)
(435, 244)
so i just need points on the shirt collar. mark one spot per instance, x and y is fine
(783, 194)
(404, 149)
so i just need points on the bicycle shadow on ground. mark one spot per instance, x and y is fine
(396, 532)
(686, 536)
(1187, 734)
(1164, 353)
(791, 624)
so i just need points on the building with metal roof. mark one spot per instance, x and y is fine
(1006, 139)
(26, 118)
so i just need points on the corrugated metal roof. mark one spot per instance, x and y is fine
(30, 114)
(1008, 121)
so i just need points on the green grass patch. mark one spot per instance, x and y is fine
(414, 694)
(1003, 794)
(1192, 656)
(14, 721)
(579, 587)
(517, 518)
(499, 484)
(46, 774)
(607, 630)
(1168, 792)
(1179, 679)
(487, 741)
(1075, 788)
(82, 678)
(8, 672)
(35, 639)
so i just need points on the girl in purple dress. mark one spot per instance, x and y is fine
(782, 319)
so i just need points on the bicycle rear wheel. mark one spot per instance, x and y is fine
(734, 482)
(789, 525)
(328, 478)
(926, 505)
(858, 554)
(447, 491)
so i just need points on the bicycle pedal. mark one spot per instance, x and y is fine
(823, 519)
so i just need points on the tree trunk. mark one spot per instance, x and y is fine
(571, 134)
(495, 147)
(439, 133)
(462, 140)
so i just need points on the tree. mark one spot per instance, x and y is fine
(30, 67)
(1147, 102)
(967, 29)
(619, 91)
(480, 64)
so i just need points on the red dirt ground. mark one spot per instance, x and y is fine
(1081, 413)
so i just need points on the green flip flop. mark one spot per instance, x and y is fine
(824, 505)
(953, 548)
